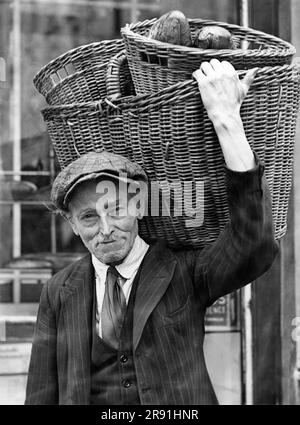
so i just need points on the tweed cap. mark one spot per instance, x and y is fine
(92, 166)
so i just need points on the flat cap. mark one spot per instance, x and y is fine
(92, 166)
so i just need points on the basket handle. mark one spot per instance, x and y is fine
(70, 124)
(113, 87)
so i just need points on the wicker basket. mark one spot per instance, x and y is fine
(90, 85)
(171, 136)
(83, 86)
(155, 65)
(79, 74)
(76, 132)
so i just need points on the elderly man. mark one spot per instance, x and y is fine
(125, 324)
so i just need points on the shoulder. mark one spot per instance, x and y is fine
(59, 279)
(167, 253)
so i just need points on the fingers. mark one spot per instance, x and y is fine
(228, 68)
(248, 79)
(212, 67)
(199, 76)
(216, 67)
(213, 70)
(208, 70)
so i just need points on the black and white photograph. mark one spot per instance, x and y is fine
(149, 205)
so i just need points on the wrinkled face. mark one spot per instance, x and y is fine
(102, 221)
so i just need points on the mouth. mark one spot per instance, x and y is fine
(109, 242)
(109, 246)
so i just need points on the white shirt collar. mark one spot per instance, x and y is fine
(131, 262)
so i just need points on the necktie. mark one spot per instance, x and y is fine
(113, 308)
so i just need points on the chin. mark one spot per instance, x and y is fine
(112, 258)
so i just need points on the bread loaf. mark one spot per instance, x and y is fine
(214, 37)
(173, 27)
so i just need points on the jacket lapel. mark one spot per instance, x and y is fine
(156, 274)
(77, 306)
(77, 299)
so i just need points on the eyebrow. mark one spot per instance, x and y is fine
(85, 210)
(107, 205)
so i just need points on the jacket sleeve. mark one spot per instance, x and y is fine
(246, 247)
(42, 384)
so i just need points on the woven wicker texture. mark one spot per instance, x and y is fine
(82, 86)
(155, 65)
(118, 77)
(170, 135)
(79, 74)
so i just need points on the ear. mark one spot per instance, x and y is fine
(69, 218)
(74, 228)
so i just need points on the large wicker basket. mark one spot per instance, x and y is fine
(155, 65)
(171, 136)
(79, 75)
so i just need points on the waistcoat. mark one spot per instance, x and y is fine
(113, 377)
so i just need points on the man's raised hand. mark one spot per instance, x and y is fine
(222, 94)
(221, 90)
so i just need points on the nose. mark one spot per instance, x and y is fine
(106, 227)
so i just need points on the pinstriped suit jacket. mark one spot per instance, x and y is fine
(174, 290)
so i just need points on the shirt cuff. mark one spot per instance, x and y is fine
(249, 180)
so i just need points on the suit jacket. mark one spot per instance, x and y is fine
(174, 290)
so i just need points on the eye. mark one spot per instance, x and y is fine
(88, 216)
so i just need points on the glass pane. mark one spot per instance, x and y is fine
(66, 240)
(31, 188)
(6, 53)
(6, 240)
(35, 229)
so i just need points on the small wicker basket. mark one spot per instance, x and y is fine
(78, 75)
(87, 85)
(171, 136)
(155, 65)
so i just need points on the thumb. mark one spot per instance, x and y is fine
(248, 79)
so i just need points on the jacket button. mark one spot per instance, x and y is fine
(126, 384)
(123, 358)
